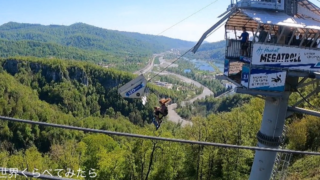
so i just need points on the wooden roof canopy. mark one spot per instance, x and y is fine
(250, 18)
(306, 21)
(310, 6)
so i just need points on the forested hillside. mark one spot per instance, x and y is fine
(123, 50)
(79, 88)
(50, 50)
(81, 94)
(212, 105)
(214, 51)
(84, 95)
(88, 37)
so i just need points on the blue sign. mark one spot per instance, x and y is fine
(137, 88)
(226, 67)
(268, 80)
(245, 59)
(245, 75)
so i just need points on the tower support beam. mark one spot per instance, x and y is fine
(304, 111)
(309, 95)
(270, 136)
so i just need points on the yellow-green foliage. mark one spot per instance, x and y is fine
(113, 157)
(116, 157)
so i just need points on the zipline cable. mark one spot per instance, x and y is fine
(188, 16)
(184, 53)
(157, 138)
(175, 25)
(169, 65)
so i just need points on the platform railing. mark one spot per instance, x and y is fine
(234, 48)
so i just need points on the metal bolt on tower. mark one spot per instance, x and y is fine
(273, 62)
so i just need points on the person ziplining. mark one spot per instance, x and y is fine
(136, 89)
(162, 110)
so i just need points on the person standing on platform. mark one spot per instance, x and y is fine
(244, 42)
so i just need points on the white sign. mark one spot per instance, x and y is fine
(269, 5)
(267, 80)
(263, 4)
(286, 57)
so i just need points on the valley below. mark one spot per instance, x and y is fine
(173, 115)
(70, 75)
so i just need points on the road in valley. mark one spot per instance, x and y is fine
(173, 115)
(206, 91)
(149, 67)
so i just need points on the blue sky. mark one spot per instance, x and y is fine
(143, 16)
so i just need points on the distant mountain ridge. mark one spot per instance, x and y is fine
(127, 51)
(87, 37)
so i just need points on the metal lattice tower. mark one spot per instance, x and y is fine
(282, 161)
(271, 65)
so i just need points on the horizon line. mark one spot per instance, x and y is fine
(106, 29)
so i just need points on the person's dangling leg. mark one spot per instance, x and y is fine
(160, 120)
(157, 113)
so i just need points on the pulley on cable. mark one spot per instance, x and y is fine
(135, 89)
